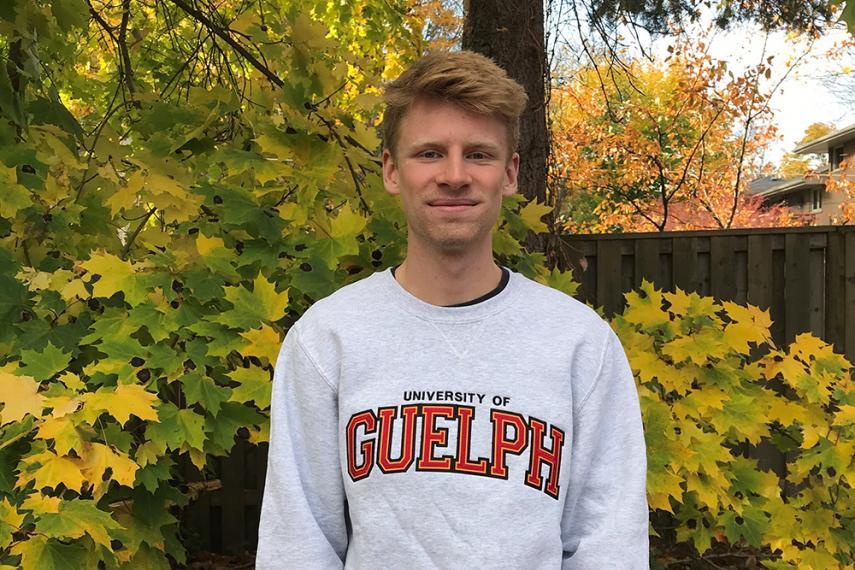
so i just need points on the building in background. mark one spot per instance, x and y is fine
(808, 194)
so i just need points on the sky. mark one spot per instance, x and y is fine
(804, 97)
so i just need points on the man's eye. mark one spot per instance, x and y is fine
(479, 155)
(429, 154)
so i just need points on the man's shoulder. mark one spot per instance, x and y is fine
(352, 301)
(551, 305)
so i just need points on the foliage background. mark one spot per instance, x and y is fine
(180, 181)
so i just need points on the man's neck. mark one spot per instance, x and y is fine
(448, 281)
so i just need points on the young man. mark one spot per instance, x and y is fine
(451, 413)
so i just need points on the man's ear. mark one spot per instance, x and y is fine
(390, 172)
(512, 171)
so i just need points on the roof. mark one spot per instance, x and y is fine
(823, 143)
(774, 186)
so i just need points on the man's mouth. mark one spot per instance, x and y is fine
(452, 205)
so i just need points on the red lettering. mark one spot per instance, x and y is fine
(540, 456)
(433, 436)
(369, 421)
(408, 438)
(503, 446)
(464, 437)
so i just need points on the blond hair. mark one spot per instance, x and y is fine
(470, 80)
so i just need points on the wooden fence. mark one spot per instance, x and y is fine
(806, 276)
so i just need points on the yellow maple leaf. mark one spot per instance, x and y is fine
(19, 396)
(786, 411)
(63, 432)
(645, 312)
(274, 303)
(40, 503)
(708, 490)
(738, 335)
(205, 245)
(121, 402)
(661, 484)
(73, 289)
(691, 304)
(806, 345)
(72, 381)
(263, 342)
(790, 369)
(696, 347)
(97, 458)
(62, 405)
(844, 417)
(48, 469)
(814, 424)
(747, 314)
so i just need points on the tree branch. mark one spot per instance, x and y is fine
(226, 37)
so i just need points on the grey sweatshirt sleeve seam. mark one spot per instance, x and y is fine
(598, 377)
(314, 363)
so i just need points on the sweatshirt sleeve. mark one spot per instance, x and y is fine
(605, 519)
(302, 522)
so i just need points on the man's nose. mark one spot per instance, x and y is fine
(454, 172)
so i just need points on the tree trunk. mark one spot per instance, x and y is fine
(511, 33)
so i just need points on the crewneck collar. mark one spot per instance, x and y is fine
(437, 313)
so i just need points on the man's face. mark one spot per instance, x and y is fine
(451, 168)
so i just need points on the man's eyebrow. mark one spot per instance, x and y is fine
(486, 144)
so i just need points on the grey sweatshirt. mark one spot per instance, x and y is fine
(502, 434)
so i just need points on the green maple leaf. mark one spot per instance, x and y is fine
(49, 554)
(44, 364)
(317, 283)
(70, 14)
(153, 474)
(232, 416)
(531, 215)
(561, 280)
(75, 518)
(251, 308)
(176, 427)
(337, 236)
(13, 298)
(750, 525)
(202, 390)
(146, 522)
(255, 385)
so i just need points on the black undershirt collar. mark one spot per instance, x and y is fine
(502, 283)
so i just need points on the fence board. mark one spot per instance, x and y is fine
(722, 274)
(760, 271)
(609, 269)
(848, 308)
(685, 262)
(835, 278)
(646, 261)
(797, 286)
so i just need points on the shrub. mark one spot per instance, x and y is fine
(717, 397)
